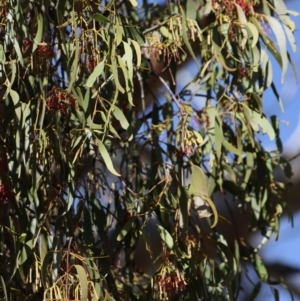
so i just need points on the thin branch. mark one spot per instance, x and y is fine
(140, 79)
(294, 157)
(169, 90)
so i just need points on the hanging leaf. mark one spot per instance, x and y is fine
(127, 227)
(106, 158)
(166, 237)
(100, 18)
(121, 117)
(199, 181)
(259, 120)
(96, 73)
(191, 11)
(281, 40)
(83, 282)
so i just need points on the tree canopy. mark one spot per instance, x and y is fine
(105, 156)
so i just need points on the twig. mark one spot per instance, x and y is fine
(68, 266)
(159, 24)
(152, 28)
(169, 90)
(140, 79)
(294, 157)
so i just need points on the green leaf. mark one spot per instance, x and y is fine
(135, 35)
(121, 117)
(18, 51)
(119, 31)
(281, 40)
(74, 68)
(100, 18)
(25, 253)
(248, 168)
(83, 282)
(183, 211)
(220, 58)
(191, 11)
(230, 172)
(254, 31)
(106, 158)
(200, 189)
(43, 246)
(138, 52)
(275, 124)
(134, 3)
(165, 236)
(97, 72)
(274, 89)
(213, 209)
(128, 59)
(268, 42)
(3, 286)
(259, 266)
(257, 119)
(231, 148)
(40, 28)
(127, 227)
(290, 37)
(219, 137)
(185, 38)
(114, 70)
(126, 79)
(255, 292)
(199, 182)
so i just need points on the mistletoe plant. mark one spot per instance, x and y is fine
(88, 162)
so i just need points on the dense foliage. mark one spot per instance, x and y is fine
(88, 162)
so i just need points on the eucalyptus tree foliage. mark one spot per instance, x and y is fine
(75, 76)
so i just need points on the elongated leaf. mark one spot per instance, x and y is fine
(256, 119)
(191, 11)
(183, 211)
(83, 282)
(138, 52)
(128, 58)
(260, 268)
(134, 3)
(255, 292)
(127, 227)
(200, 189)
(97, 72)
(106, 158)
(219, 137)
(100, 18)
(121, 117)
(281, 40)
(3, 286)
(43, 247)
(199, 182)
(114, 70)
(165, 236)
(254, 31)
(185, 38)
(40, 24)
(75, 61)
(213, 209)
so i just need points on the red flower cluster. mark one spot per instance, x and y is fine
(44, 51)
(27, 44)
(90, 63)
(170, 284)
(4, 195)
(243, 72)
(56, 99)
(228, 6)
